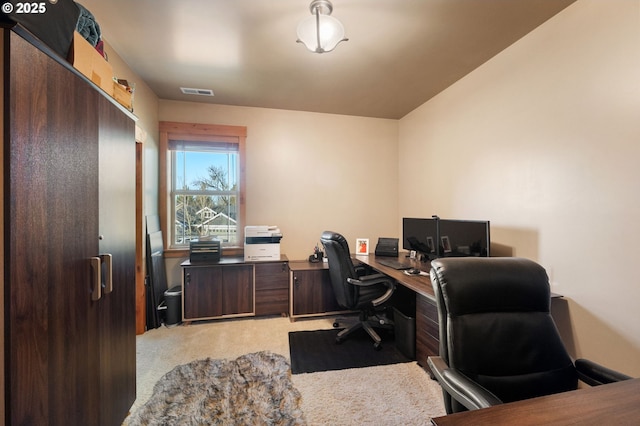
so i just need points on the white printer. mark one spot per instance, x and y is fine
(262, 243)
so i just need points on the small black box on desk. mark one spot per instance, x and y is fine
(204, 251)
(387, 247)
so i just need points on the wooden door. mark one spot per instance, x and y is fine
(70, 359)
(312, 292)
(51, 177)
(202, 292)
(117, 237)
(237, 289)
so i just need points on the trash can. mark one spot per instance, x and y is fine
(173, 303)
(405, 333)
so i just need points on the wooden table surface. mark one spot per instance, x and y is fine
(612, 404)
(421, 284)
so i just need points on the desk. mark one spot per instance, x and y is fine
(427, 333)
(421, 284)
(614, 404)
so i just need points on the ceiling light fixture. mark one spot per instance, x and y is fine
(320, 32)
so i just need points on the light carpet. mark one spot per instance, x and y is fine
(399, 394)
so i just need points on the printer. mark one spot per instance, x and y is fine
(262, 243)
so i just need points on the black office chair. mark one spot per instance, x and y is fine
(355, 291)
(498, 341)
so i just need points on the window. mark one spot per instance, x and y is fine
(202, 183)
(204, 192)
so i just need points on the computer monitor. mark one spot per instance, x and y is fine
(419, 234)
(464, 238)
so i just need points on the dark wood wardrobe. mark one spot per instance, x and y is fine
(68, 252)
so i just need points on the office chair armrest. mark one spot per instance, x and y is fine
(374, 279)
(461, 388)
(367, 280)
(361, 269)
(595, 374)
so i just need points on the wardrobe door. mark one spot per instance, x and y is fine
(51, 223)
(117, 242)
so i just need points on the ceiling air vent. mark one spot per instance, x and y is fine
(191, 91)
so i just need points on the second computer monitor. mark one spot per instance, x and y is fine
(445, 237)
(464, 238)
(419, 234)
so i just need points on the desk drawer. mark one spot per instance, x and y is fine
(272, 275)
(272, 288)
(426, 345)
(427, 331)
(428, 308)
(272, 302)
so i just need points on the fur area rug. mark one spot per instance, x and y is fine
(254, 389)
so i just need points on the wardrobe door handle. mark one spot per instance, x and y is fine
(96, 273)
(108, 285)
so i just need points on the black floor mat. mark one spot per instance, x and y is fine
(313, 351)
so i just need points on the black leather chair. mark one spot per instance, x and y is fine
(356, 291)
(498, 341)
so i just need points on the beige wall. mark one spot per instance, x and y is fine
(145, 107)
(544, 141)
(309, 172)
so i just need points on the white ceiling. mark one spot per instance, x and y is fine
(400, 53)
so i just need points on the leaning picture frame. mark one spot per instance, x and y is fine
(432, 247)
(362, 246)
(446, 244)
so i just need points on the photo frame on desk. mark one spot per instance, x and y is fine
(362, 246)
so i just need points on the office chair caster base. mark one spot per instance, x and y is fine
(377, 346)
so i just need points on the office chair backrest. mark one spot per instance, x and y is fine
(496, 326)
(340, 268)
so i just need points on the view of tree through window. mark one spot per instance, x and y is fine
(205, 194)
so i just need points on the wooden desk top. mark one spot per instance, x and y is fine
(421, 284)
(305, 265)
(612, 404)
(231, 260)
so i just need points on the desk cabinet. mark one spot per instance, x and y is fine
(234, 288)
(216, 291)
(311, 293)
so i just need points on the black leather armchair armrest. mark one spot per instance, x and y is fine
(374, 279)
(369, 279)
(460, 387)
(595, 374)
(362, 269)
